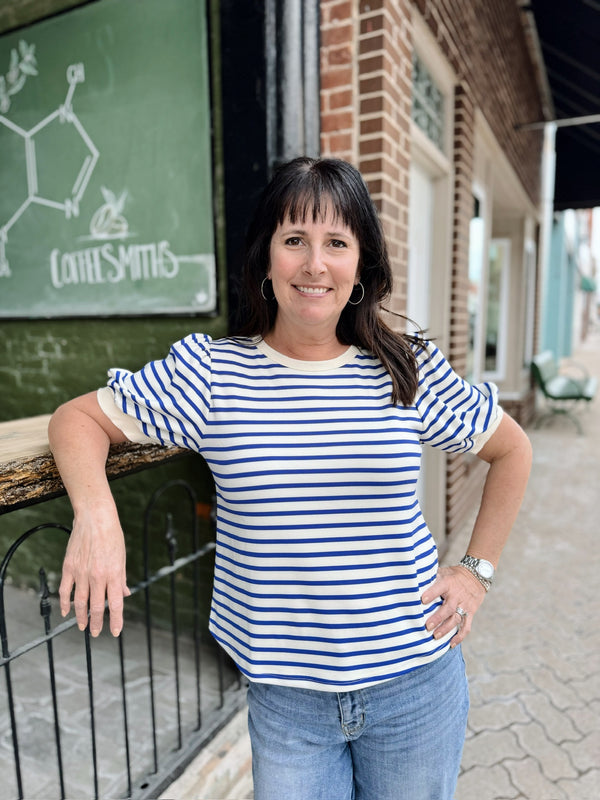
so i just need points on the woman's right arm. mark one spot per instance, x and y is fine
(80, 435)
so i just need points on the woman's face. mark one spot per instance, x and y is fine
(314, 268)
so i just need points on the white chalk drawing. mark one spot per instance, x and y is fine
(109, 259)
(22, 65)
(108, 221)
(110, 264)
(65, 115)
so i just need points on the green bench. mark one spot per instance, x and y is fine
(563, 392)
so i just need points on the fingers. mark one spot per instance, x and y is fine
(80, 596)
(460, 601)
(90, 596)
(96, 592)
(463, 630)
(65, 589)
(94, 566)
(446, 620)
(114, 594)
(80, 604)
(454, 622)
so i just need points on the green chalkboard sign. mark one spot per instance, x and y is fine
(106, 203)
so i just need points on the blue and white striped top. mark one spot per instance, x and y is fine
(322, 551)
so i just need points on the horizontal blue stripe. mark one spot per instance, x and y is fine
(373, 432)
(336, 598)
(336, 498)
(322, 445)
(322, 471)
(230, 606)
(251, 410)
(337, 667)
(260, 384)
(330, 582)
(333, 654)
(352, 567)
(265, 487)
(291, 555)
(328, 640)
(270, 432)
(317, 526)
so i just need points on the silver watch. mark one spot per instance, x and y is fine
(483, 570)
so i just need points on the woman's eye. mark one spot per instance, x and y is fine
(293, 241)
(338, 243)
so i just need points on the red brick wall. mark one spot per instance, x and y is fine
(462, 211)
(365, 108)
(366, 49)
(486, 46)
(385, 97)
(339, 122)
(366, 52)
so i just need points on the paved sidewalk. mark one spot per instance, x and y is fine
(534, 655)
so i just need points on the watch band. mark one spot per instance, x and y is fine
(471, 563)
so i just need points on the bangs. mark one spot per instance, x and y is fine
(313, 196)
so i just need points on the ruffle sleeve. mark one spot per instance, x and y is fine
(456, 416)
(166, 401)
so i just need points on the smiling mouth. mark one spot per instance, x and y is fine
(313, 290)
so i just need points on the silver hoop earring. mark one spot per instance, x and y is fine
(262, 290)
(362, 297)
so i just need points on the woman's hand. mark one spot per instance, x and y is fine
(458, 589)
(95, 564)
(80, 435)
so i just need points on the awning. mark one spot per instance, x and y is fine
(569, 36)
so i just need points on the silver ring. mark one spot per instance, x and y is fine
(461, 613)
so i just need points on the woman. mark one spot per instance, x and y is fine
(327, 591)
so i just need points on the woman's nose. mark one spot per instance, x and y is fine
(314, 262)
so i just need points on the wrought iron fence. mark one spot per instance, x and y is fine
(108, 718)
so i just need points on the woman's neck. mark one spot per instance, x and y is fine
(305, 346)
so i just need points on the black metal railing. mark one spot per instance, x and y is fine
(108, 718)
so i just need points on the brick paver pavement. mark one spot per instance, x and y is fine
(534, 655)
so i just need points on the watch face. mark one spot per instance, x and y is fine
(485, 569)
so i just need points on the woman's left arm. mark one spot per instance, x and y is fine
(508, 452)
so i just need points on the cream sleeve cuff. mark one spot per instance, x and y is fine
(126, 424)
(486, 435)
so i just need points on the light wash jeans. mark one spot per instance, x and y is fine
(397, 740)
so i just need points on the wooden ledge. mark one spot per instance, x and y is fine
(28, 473)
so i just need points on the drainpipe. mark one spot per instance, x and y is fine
(292, 65)
(548, 176)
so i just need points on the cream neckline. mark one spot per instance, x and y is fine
(300, 364)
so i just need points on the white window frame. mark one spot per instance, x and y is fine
(529, 289)
(499, 373)
(476, 372)
(437, 164)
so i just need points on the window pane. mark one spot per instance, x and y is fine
(498, 264)
(427, 103)
(476, 239)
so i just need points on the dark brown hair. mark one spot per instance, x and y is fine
(307, 188)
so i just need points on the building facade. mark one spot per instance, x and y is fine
(426, 98)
